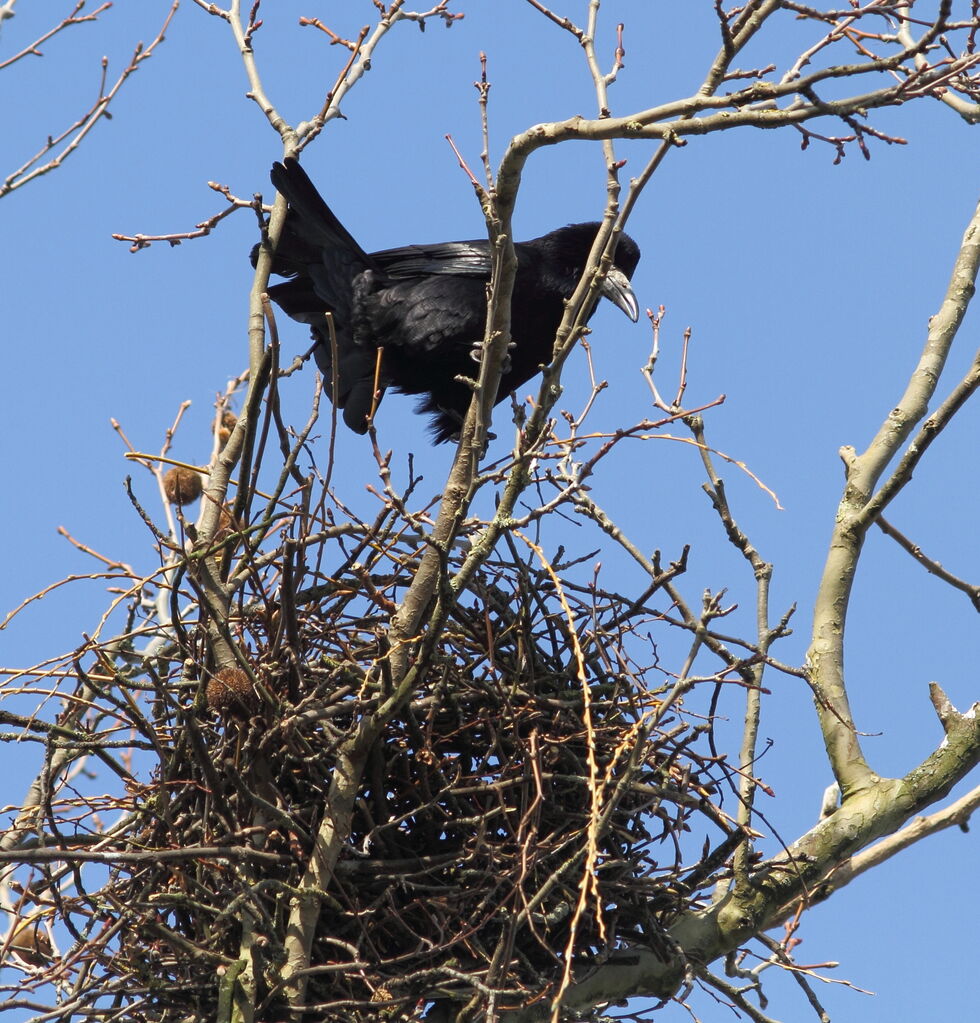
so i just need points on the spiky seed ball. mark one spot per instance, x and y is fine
(182, 486)
(230, 691)
(228, 423)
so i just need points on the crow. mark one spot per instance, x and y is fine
(423, 307)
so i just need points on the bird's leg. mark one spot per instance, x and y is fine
(476, 354)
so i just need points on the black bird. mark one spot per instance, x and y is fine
(423, 306)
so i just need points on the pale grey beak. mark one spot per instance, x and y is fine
(616, 287)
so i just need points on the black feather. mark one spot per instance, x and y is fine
(424, 306)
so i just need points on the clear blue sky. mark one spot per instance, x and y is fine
(807, 286)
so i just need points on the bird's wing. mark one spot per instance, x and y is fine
(297, 299)
(355, 366)
(315, 244)
(460, 259)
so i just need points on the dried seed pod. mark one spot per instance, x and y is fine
(226, 523)
(228, 423)
(182, 486)
(273, 618)
(230, 691)
(226, 526)
(31, 944)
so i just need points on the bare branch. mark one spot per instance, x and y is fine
(933, 567)
(77, 132)
(860, 506)
(34, 49)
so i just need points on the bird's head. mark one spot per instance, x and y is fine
(574, 243)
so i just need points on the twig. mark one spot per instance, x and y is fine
(88, 120)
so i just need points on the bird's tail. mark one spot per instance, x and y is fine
(311, 224)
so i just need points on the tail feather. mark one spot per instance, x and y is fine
(311, 219)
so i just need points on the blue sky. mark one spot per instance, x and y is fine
(807, 286)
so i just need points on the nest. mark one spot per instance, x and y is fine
(525, 807)
(523, 814)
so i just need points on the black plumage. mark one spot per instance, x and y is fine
(424, 306)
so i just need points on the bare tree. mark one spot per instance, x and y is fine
(423, 766)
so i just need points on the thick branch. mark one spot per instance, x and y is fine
(858, 509)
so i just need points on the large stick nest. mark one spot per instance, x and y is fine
(526, 805)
